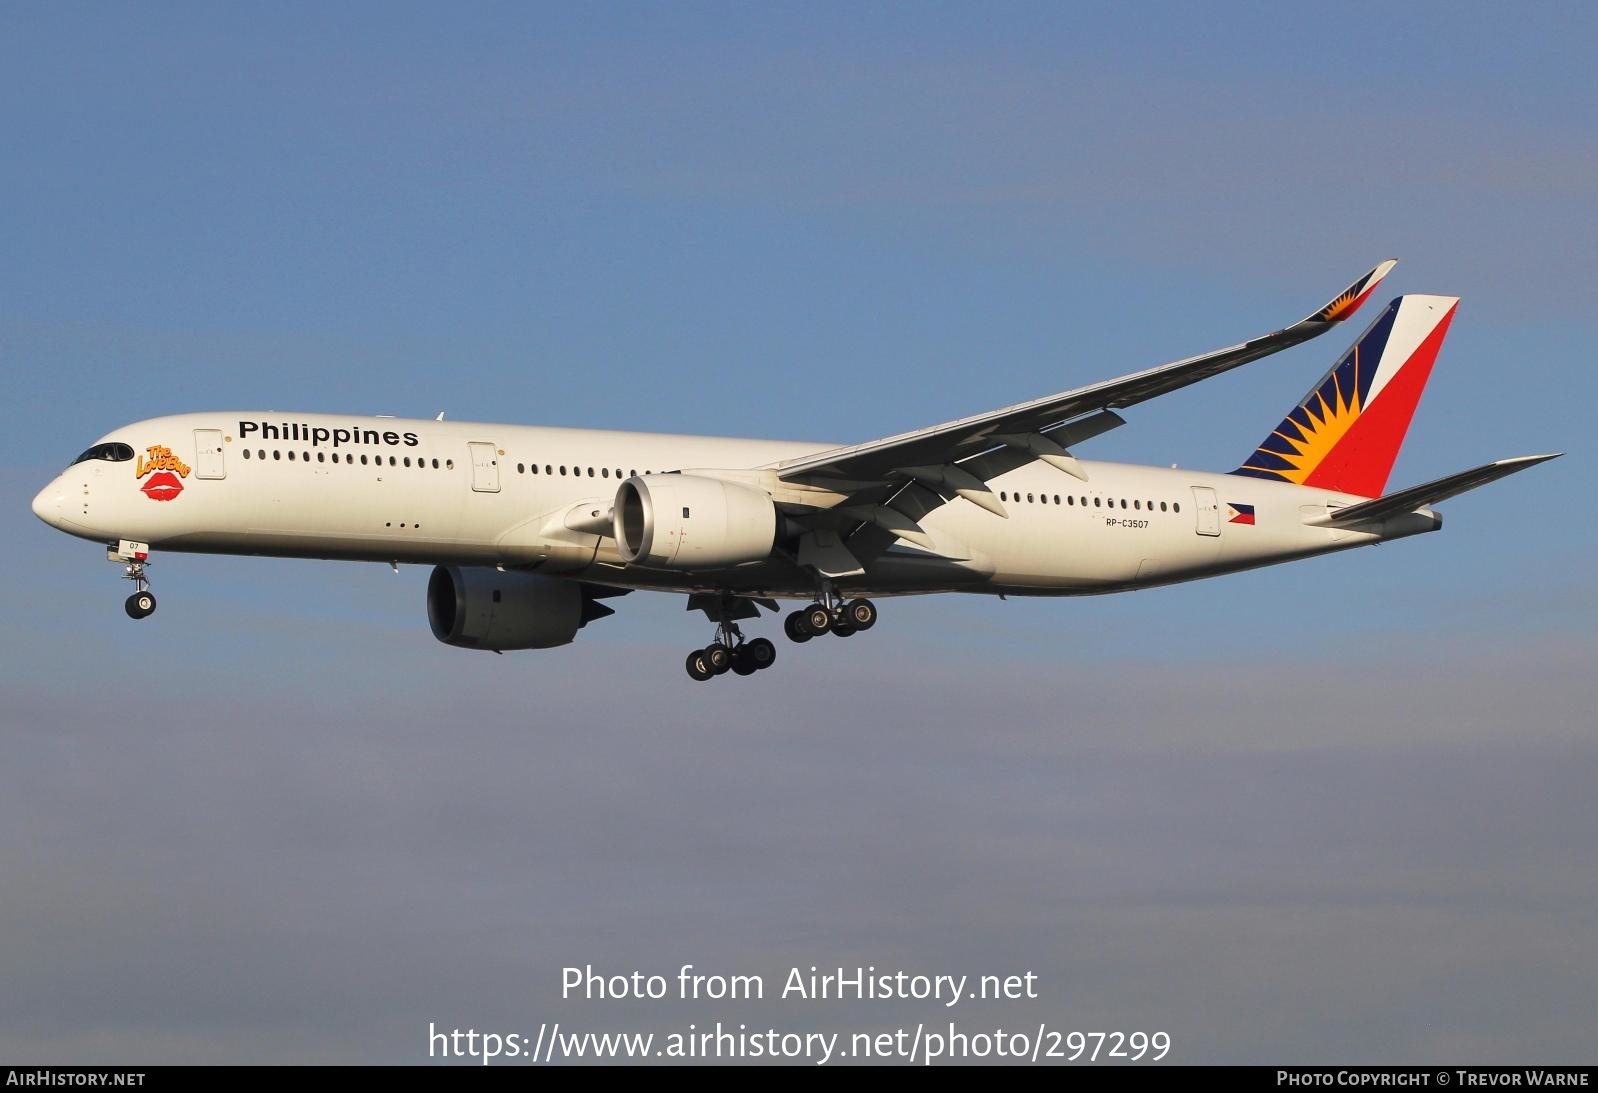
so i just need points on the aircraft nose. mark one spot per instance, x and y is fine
(50, 504)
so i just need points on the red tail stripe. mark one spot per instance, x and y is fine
(1364, 457)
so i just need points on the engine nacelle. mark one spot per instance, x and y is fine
(480, 607)
(686, 521)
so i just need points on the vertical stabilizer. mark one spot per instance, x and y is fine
(1345, 434)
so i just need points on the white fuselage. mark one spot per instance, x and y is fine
(388, 489)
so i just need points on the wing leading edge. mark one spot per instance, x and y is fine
(1041, 428)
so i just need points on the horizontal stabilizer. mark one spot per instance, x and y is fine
(1429, 493)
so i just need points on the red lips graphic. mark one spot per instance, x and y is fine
(162, 486)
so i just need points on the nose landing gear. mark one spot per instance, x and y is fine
(134, 556)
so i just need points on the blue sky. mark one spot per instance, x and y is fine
(827, 221)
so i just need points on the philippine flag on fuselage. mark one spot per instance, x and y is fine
(1241, 514)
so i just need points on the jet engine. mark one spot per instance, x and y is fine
(480, 607)
(685, 521)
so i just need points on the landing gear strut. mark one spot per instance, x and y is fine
(136, 556)
(730, 652)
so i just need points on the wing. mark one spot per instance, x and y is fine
(941, 457)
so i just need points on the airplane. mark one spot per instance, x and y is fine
(530, 529)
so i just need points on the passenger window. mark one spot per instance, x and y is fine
(291, 457)
(321, 457)
(563, 470)
(590, 472)
(1096, 502)
(246, 453)
(604, 472)
(1029, 498)
(449, 464)
(1175, 507)
(363, 459)
(1137, 504)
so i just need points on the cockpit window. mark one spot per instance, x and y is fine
(115, 453)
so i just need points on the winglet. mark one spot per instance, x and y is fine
(1347, 302)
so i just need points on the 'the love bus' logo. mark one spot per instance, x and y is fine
(165, 470)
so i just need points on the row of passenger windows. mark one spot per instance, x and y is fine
(1098, 502)
(574, 472)
(419, 461)
(349, 457)
(605, 472)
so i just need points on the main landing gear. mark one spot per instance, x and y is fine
(744, 659)
(830, 614)
(730, 652)
(840, 618)
(136, 556)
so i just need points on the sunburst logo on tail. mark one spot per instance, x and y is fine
(1346, 432)
(1308, 435)
(1314, 428)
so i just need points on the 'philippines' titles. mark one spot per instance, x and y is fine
(317, 435)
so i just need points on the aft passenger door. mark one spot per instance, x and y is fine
(1209, 510)
(485, 466)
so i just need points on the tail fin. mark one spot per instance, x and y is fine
(1345, 434)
